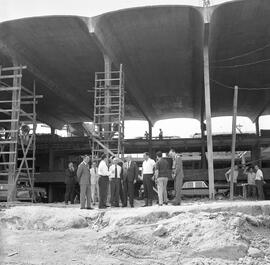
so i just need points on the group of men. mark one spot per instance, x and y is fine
(255, 180)
(113, 180)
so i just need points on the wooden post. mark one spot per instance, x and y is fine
(235, 98)
(208, 114)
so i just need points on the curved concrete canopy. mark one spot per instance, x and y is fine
(239, 40)
(161, 50)
(162, 56)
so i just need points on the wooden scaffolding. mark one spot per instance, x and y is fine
(108, 135)
(18, 133)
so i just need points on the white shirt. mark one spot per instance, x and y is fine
(94, 175)
(148, 166)
(259, 175)
(112, 171)
(103, 169)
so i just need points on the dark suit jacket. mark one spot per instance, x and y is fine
(70, 176)
(131, 173)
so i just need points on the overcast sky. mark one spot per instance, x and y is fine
(14, 9)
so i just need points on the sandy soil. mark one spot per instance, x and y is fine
(196, 233)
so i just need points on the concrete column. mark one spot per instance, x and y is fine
(203, 156)
(52, 131)
(150, 146)
(107, 70)
(256, 150)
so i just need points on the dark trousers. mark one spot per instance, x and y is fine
(103, 182)
(251, 191)
(115, 187)
(148, 188)
(69, 194)
(130, 186)
(124, 197)
(259, 185)
(128, 192)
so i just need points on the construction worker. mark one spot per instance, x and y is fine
(177, 175)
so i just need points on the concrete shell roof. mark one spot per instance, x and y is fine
(161, 49)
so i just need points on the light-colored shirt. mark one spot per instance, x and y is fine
(235, 175)
(251, 178)
(103, 169)
(112, 171)
(94, 175)
(148, 166)
(259, 175)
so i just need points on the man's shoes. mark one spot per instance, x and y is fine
(82, 208)
(146, 205)
(101, 207)
(106, 206)
(131, 206)
(176, 203)
(123, 206)
(117, 205)
(160, 204)
(89, 208)
(166, 203)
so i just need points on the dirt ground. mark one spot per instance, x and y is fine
(196, 233)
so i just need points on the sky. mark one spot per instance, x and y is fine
(14, 9)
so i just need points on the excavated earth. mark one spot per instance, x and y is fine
(196, 233)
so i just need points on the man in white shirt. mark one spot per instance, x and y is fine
(147, 173)
(94, 182)
(259, 182)
(115, 172)
(103, 181)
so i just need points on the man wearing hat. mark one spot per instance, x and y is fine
(84, 179)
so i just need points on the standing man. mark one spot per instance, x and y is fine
(70, 181)
(103, 181)
(84, 179)
(160, 135)
(94, 182)
(251, 182)
(115, 172)
(161, 175)
(147, 173)
(177, 175)
(228, 176)
(130, 176)
(259, 182)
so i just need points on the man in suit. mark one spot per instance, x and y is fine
(84, 179)
(130, 175)
(70, 181)
(178, 175)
